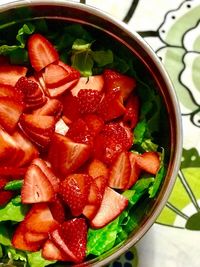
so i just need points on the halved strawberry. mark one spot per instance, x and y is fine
(52, 253)
(67, 156)
(57, 209)
(36, 187)
(97, 168)
(73, 74)
(59, 90)
(95, 82)
(5, 196)
(10, 74)
(131, 116)
(70, 106)
(10, 112)
(120, 171)
(135, 170)
(90, 210)
(101, 182)
(74, 190)
(149, 162)
(39, 219)
(94, 123)
(10, 91)
(114, 79)
(41, 52)
(14, 172)
(32, 237)
(112, 205)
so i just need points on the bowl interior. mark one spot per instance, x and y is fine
(148, 65)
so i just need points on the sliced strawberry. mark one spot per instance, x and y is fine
(93, 83)
(52, 253)
(131, 116)
(95, 195)
(32, 237)
(3, 182)
(74, 190)
(5, 196)
(101, 182)
(18, 240)
(53, 179)
(90, 210)
(61, 127)
(59, 90)
(10, 74)
(135, 170)
(14, 172)
(57, 209)
(111, 106)
(41, 52)
(67, 156)
(120, 171)
(79, 132)
(149, 162)
(36, 187)
(53, 107)
(115, 79)
(10, 112)
(39, 219)
(70, 106)
(10, 91)
(94, 123)
(73, 74)
(97, 168)
(112, 205)
(88, 100)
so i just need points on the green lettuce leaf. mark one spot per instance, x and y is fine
(36, 259)
(5, 235)
(102, 57)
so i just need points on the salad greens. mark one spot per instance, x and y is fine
(89, 54)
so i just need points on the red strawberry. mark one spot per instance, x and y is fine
(10, 91)
(10, 74)
(67, 156)
(57, 209)
(90, 210)
(97, 168)
(58, 91)
(79, 132)
(52, 253)
(70, 106)
(112, 205)
(32, 237)
(111, 106)
(53, 107)
(131, 116)
(13, 172)
(135, 170)
(93, 83)
(88, 100)
(120, 171)
(149, 162)
(94, 123)
(10, 112)
(36, 187)
(115, 79)
(74, 190)
(39, 219)
(101, 182)
(3, 182)
(73, 74)
(5, 197)
(41, 52)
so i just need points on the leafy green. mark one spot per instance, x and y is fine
(83, 62)
(15, 254)
(36, 259)
(14, 185)
(5, 235)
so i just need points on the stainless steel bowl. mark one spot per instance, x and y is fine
(120, 32)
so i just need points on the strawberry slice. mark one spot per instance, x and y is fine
(59, 90)
(53, 107)
(67, 156)
(10, 74)
(112, 205)
(70, 106)
(120, 171)
(97, 168)
(135, 170)
(39, 219)
(57, 209)
(32, 237)
(10, 91)
(94, 123)
(95, 83)
(74, 190)
(5, 197)
(131, 116)
(52, 253)
(13, 172)
(10, 112)
(41, 52)
(101, 182)
(36, 187)
(114, 79)
(73, 74)
(149, 162)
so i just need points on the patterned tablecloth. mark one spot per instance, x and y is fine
(172, 28)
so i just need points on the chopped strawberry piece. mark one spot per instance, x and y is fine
(5, 197)
(39, 219)
(41, 52)
(74, 190)
(93, 83)
(36, 187)
(57, 209)
(90, 210)
(67, 156)
(32, 237)
(73, 74)
(149, 162)
(14, 172)
(131, 116)
(120, 171)
(135, 170)
(53, 107)
(70, 106)
(112, 205)
(58, 91)
(3, 182)
(88, 100)
(95, 195)
(10, 74)
(10, 91)
(79, 132)
(115, 79)
(10, 112)
(97, 168)
(52, 253)
(94, 123)
(111, 106)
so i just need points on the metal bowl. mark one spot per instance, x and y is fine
(118, 32)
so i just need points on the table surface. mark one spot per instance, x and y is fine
(172, 28)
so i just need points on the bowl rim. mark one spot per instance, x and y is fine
(174, 100)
